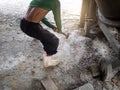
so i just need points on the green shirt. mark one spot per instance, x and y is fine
(50, 5)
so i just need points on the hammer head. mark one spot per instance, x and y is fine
(67, 35)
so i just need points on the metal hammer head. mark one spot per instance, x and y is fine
(67, 35)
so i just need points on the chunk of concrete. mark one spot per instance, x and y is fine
(94, 70)
(49, 84)
(87, 87)
(76, 89)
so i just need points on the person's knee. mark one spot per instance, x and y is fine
(51, 48)
(55, 42)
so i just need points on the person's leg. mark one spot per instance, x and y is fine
(49, 40)
(31, 29)
(50, 43)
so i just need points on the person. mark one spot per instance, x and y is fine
(30, 25)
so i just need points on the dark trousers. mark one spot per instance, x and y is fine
(49, 40)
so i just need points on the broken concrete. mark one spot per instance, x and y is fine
(21, 60)
(86, 87)
(49, 84)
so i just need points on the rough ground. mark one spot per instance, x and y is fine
(21, 58)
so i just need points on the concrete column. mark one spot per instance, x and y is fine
(89, 11)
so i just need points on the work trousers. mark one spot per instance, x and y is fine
(49, 41)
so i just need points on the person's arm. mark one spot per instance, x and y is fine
(46, 22)
(57, 16)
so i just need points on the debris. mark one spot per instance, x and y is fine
(32, 72)
(36, 85)
(86, 87)
(49, 84)
(105, 70)
(94, 70)
(116, 79)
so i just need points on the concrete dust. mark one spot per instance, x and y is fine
(21, 60)
(72, 49)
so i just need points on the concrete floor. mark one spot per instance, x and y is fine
(21, 60)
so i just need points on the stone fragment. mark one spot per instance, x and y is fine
(94, 70)
(87, 87)
(49, 84)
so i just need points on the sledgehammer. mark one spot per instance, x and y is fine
(66, 35)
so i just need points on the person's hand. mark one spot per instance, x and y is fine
(66, 35)
(56, 30)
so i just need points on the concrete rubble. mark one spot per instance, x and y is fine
(21, 60)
